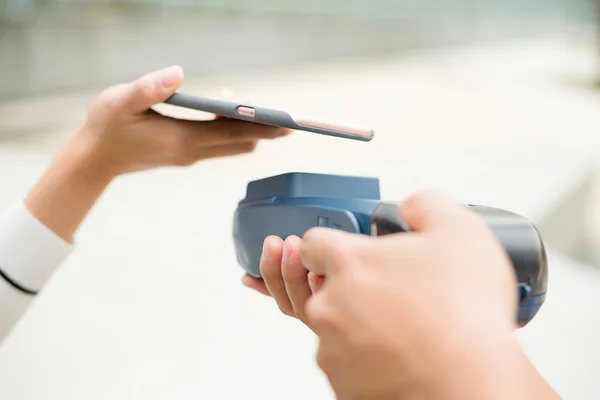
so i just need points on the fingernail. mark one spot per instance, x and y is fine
(266, 253)
(171, 76)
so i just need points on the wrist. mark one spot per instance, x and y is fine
(70, 187)
(81, 160)
(485, 365)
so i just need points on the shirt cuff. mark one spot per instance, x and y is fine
(29, 251)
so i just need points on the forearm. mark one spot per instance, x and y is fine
(68, 190)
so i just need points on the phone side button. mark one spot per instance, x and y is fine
(246, 112)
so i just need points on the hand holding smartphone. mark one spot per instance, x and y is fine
(268, 116)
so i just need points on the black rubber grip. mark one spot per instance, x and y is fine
(386, 220)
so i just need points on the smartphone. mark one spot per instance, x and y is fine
(267, 116)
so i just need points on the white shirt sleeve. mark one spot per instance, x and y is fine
(29, 253)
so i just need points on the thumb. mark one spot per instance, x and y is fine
(151, 89)
(429, 210)
(327, 252)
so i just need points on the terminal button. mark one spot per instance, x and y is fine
(322, 221)
(246, 112)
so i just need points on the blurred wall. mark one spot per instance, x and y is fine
(54, 46)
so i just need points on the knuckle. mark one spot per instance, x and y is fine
(320, 313)
(142, 89)
(110, 99)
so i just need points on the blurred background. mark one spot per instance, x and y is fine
(494, 101)
(78, 44)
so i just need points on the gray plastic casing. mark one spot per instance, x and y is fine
(261, 115)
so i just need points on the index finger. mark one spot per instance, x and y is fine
(216, 132)
(326, 251)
